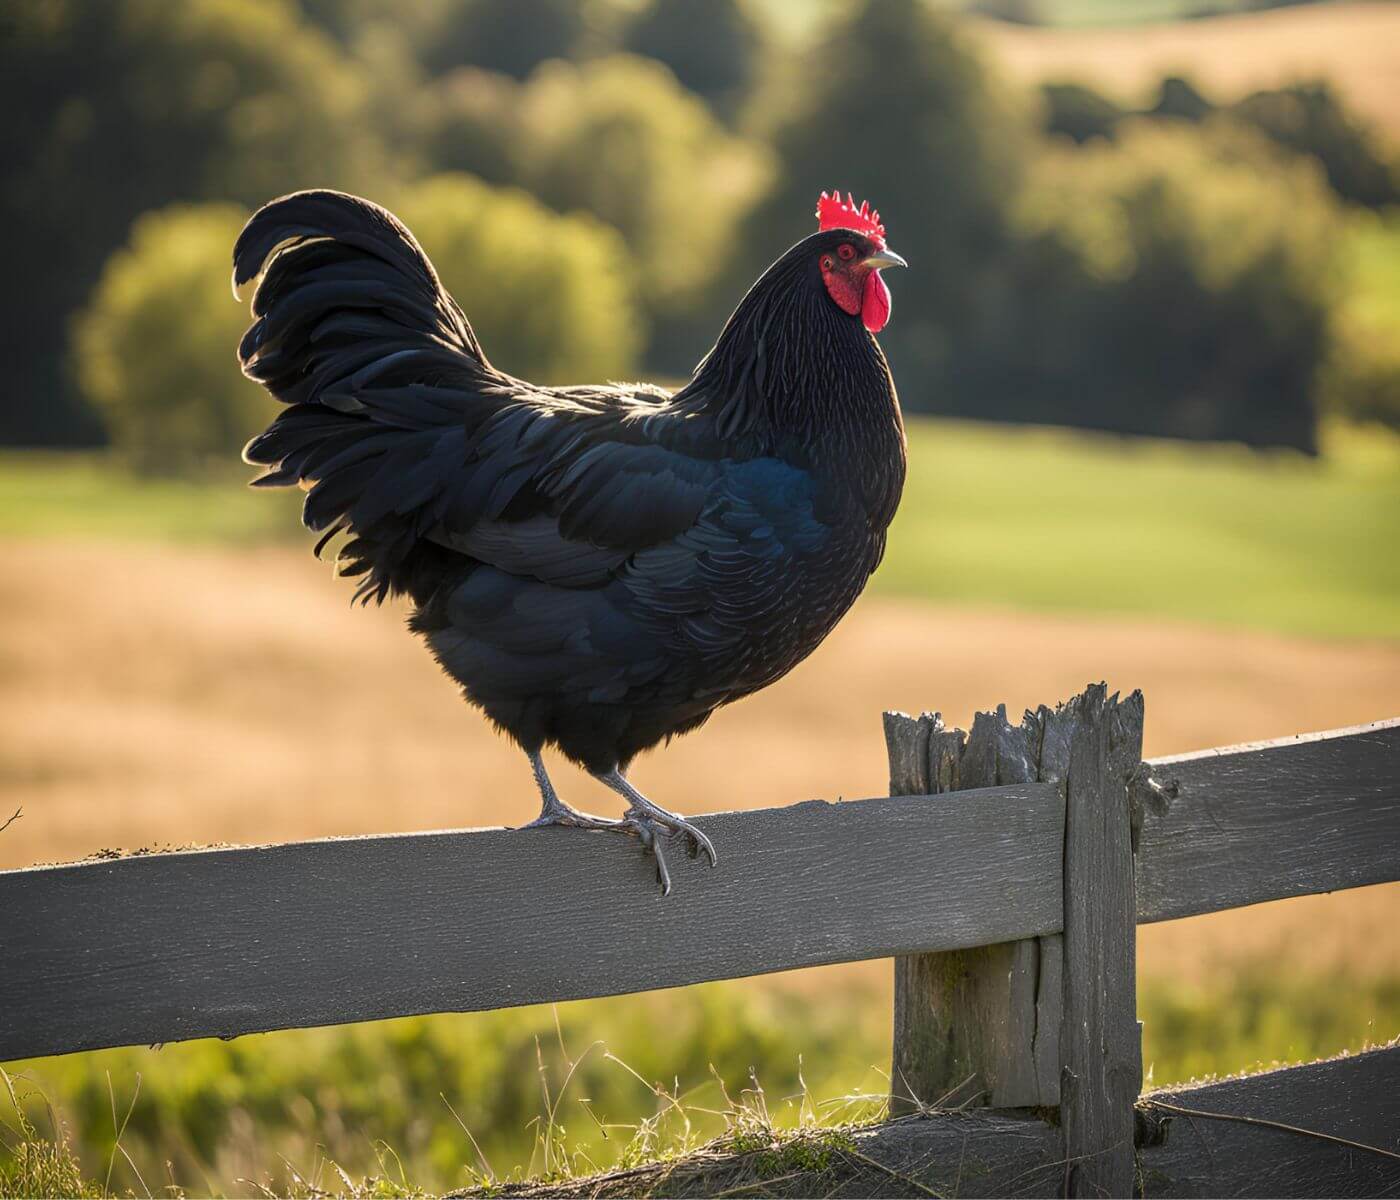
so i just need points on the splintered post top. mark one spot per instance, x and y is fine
(835, 213)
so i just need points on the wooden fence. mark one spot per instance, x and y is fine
(1005, 874)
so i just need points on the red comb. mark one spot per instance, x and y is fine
(835, 213)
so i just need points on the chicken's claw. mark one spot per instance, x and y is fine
(645, 823)
(645, 830)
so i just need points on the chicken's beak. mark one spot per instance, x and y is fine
(885, 258)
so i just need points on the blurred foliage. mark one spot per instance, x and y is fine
(1311, 119)
(474, 125)
(154, 348)
(123, 107)
(513, 36)
(1179, 97)
(899, 108)
(703, 142)
(375, 1097)
(1014, 12)
(714, 48)
(155, 344)
(220, 1111)
(621, 138)
(1078, 112)
(548, 295)
(1362, 380)
(1260, 1014)
(1176, 283)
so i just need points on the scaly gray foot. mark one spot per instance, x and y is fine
(695, 841)
(647, 822)
(562, 814)
(553, 811)
(673, 824)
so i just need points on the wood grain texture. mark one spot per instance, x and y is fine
(1315, 813)
(1101, 1066)
(226, 942)
(977, 1026)
(1355, 1098)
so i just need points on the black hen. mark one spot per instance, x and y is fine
(599, 568)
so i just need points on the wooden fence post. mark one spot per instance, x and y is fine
(1050, 1020)
(1098, 739)
(980, 1026)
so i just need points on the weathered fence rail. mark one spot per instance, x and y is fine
(165, 947)
(1315, 813)
(1005, 874)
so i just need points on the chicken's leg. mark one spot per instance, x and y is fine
(643, 810)
(553, 811)
(643, 819)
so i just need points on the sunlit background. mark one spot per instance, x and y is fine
(1149, 346)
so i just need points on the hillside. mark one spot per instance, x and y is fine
(1353, 44)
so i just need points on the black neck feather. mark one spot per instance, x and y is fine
(794, 375)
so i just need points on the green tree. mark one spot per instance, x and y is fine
(1180, 283)
(116, 108)
(1362, 380)
(155, 346)
(1178, 97)
(714, 48)
(550, 296)
(1310, 118)
(900, 111)
(621, 138)
(1078, 112)
(347, 20)
(513, 36)
(475, 125)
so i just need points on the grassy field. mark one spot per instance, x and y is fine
(1050, 520)
(155, 637)
(91, 496)
(441, 1101)
(1024, 518)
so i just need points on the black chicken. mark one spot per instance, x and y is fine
(599, 568)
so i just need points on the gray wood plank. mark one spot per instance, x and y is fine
(233, 941)
(1315, 813)
(1101, 1068)
(1209, 1152)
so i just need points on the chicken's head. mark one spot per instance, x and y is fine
(852, 258)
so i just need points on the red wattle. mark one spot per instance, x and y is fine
(876, 304)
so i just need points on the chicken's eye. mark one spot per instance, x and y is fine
(846, 251)
(827, 264)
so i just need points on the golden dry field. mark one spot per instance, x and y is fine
(152, 695)
(1350, 44)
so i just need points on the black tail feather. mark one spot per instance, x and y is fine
(354, 332)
